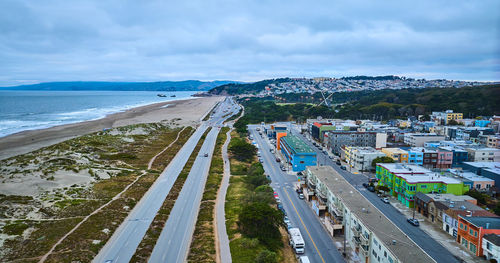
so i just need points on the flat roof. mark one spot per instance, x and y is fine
(384, 230)
(490, 165)
(451, 197)
(484, 221)
(428, 178)
(398, 168)
(298, 145)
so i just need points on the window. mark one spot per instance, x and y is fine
(464, 242)
(385, 253)
(461, 226)
(475, 233)
(465, 227)
(488, 245)
(473, 248)
(471, 232)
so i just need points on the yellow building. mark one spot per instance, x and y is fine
(398, 155)
(453, 116)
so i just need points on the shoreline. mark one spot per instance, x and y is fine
(183, 112)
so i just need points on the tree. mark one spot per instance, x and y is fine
(266, 256)
(241, 150)
(261, 221)
(383, 159)
(453, 122)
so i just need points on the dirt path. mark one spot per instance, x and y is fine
(44, 257)
(150, 164)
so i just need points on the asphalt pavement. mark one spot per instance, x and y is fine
(319, 246)
(125, 240)
(433, 248)
(175, 238)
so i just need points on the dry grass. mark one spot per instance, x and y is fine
(147, 244)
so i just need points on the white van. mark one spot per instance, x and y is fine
(304, 259)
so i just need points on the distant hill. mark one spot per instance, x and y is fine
(245, 88)
(191, 85)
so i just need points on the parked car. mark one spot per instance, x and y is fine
(385, 200)
(365, 185)
(343, 167)
(371, 188)
(286, 220)
(278, 160)
(331, 157)
(283, 168)
(301, 196)
(280, 207)
(338, 162)
(413, 221)
(299, 190)
(261, 160)
(206, 155)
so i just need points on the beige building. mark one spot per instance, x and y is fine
(368, 232)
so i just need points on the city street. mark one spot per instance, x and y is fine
(433, 248)
(319, 246)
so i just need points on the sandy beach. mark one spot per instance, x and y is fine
(184, 112)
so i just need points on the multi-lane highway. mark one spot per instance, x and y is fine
(319, 245)
(124, 241)
(433, 248)
(175, 238)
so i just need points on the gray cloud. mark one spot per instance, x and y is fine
(246, 40)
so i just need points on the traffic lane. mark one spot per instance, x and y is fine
(278, 180)
(129, 234)
(319, 246)
(177, 232)
(422, 239)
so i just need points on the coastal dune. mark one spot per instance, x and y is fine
(181, 112)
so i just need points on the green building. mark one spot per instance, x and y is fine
(404, 181)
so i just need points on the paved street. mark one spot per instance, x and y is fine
(175, 238)
(124, 241)
(319, 245)
(433, 248)
(220, 213)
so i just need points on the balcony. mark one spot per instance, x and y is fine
(365, 240)
(356, 231)
(364, 250)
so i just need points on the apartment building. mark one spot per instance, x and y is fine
(472, 229)
(419, 139)
(361, 158)
(491, 247)
(446, 116)
(397, 154)
(404, 181)
(459, 155)
(429, 158)
(368, 232)
(415, 157)
(337, 140)
(483, 154)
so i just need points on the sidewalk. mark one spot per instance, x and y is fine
(352, 256)
(435, 231)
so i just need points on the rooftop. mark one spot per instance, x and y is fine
(398, 168)
(297, 144)
(428, 177)
(490, 165)
(384, 230)
(484, 222)
(492, 238)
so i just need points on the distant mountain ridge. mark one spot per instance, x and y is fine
(186, 85)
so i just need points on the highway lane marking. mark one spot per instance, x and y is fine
(286, 192)
(314, 243)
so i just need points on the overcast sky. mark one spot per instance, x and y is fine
(246, 40)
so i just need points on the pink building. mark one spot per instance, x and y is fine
(445, 159)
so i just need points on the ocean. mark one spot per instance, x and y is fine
(30, 110)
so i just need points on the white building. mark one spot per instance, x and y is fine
(491, 246)
(419, 139)
(361, 158)
(483, 154)
(368, 232)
